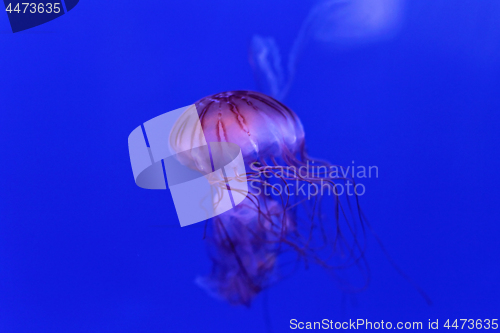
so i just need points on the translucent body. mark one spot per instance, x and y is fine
(251, 244)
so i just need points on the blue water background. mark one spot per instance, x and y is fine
(82, 249)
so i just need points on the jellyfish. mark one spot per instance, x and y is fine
(340, 24)
(295, 212)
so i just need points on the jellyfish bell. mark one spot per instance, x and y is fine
(260, 125)
(355, 22)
